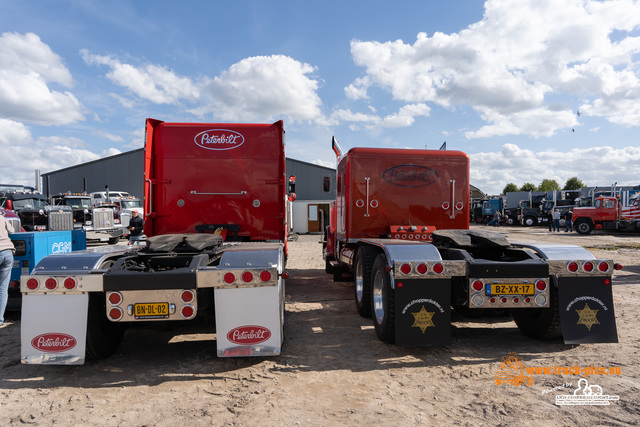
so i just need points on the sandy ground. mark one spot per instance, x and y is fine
(333, 370)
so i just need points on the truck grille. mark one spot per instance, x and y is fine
(15, 223)
(59, 221)
(102, 219)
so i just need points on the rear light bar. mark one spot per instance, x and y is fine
(49, 284)
(429, 269)
(508, 293)
(250, 277)
(591, 266)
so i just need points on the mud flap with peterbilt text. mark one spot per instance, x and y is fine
(586, 310)
(61, 339)
(423, 312)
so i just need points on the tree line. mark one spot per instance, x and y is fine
(572, 183)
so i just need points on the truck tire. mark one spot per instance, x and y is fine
(382, 301)
(114, 240)
(103, 336)
(540, 323)
(530, 221)
(328, 268)
(583, 227)
(511, 220)
(362, 279)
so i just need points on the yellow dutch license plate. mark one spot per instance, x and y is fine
(155, 310)
(508, 289)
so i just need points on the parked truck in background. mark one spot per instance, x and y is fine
(400, 228)
(607, 214)
(101, 223)
(215, 213)
(34, 211)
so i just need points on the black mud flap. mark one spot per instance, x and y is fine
(586, 310)
(423, 312)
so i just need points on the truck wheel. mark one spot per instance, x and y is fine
(103, 336)
(583, 227)
(510, 220)
(382, 300)
(114, 240)
(540, 323)
(529, 221)
(328, 268)
(362, 279)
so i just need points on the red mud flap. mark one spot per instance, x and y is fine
(423, 312)
(586, 310)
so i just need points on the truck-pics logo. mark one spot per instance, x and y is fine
(249, 334)
(219, 139)
(410, 176)
(512, 371)
(53, 342)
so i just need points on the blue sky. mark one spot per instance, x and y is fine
(501, 80)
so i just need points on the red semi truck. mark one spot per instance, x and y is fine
(607, 214)
(215, 213)
(400, 227)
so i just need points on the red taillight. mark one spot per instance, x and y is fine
(187, 311)
(527, 300)
(573, 266)
(541, 285)
(400, 284)
(516, 300)
(422, 268)
(115, 313)
(229, 278)
(603, 266)
(438, 268)
(186, 296)
(503, 300)
(247, 276)
(51, 283)
(477, 285)
(588, 266)
(492, 300)
(265, 276)
(32, 284)
(115, 298)
(607, 281)
(617, 266)
(405, 268)
(285, 275)
(70, 283)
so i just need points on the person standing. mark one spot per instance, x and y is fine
(6, 262)
(556, 220)
(568, 221)
(136, 226)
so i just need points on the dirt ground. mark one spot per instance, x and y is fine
(333, 370)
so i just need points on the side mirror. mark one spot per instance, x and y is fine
(292, 188)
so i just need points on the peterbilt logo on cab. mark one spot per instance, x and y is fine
(219, 139)
(410, 176)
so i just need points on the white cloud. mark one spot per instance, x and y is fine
(22, 155)
(28, 71)
(491, 171)
(512, 63)
(154, 83)
(265, 88)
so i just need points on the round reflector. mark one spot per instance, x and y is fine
(541, 285)
(477, 285)
(51, 283)
(400, 284)
(115, 313)
(516, 300)
(70, 283)
(422, 268)
(503, 300)
(32, 284)
(405, 268)
(229, 278)
(607, 281)
(527, 300)
(572, 266)
(603, 266)
(115, 298)
(285, 275)
(186, 295)
(265, 276)
(492, 300)
(588, 266)
(187, 311)
(438, 268)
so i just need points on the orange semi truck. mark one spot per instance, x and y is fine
(400, 228)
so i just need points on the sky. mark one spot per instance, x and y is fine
(529, 89)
